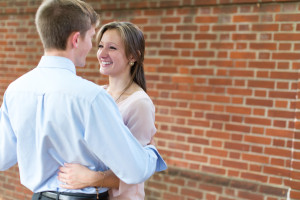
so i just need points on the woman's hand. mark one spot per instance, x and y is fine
(76, 176)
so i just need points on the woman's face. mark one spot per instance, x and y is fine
(111, 54)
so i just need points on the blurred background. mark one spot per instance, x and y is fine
(224, 77)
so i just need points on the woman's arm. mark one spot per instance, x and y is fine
(76, 176)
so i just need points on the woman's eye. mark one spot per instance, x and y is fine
(113, 48)
(100, 46)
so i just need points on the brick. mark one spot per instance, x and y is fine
(287, 17)
(262, 84)
(184, 45)
(205, 36)
(286, 36)
(285, 46)
(197, 140)
(242, 55)
(225, 10)
(201, 123)
(211, 116)
(200, 106)
(217, 134)
(296, 155)
(195, 157)
(284, 75)
(245, 18)
(170, 36)
(273, 191)
(202, 72)
(277, 162)
(224, 27)
(243, 36)
(276, 171)
(208, 2)
(193, 193)
(278, 152)
(257, 139)
(259, 102)
(238, 128)
(171, 20)
(258, 121)
(237, 91)
(172, 196)
(286, 56)
(248, 195)
(168, 52)
(279, 133)
(279, 94)
(186, 28)
(215, 152)
(222, 45)
(295, 175)
(281, 114)
(206, 19)
(215, 98)
(244, 185)
(222, 63)
(255, 158)
(241, 73)
(203, 54)
(295, 194)
(177, 129)
(210, 188)
(182, 79)
(186, 11)
(237, 146)
(213, 170)
(265, 27)
(261, 46)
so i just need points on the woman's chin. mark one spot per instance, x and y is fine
(104, 71)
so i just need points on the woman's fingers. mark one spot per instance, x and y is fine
(71, 187)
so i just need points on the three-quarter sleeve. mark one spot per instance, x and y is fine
(141, 120)
(138, 114)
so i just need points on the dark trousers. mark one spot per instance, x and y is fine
(38, 196)
(68, 196)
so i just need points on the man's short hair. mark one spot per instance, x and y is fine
(57, 19)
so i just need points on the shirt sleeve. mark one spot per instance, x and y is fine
(141, 120)
(8, 141)
(139, 117)
(112, 142)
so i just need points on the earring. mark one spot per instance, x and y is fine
(131, 63)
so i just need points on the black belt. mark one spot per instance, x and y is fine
(74, 196)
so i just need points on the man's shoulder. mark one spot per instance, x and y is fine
(87, 85)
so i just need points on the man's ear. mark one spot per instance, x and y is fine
(74, 37)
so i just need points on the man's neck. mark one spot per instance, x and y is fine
(54, 52)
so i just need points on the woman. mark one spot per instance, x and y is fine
(121, 55)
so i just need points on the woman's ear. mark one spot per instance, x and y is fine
(131, 59)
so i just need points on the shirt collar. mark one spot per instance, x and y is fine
(57, 62)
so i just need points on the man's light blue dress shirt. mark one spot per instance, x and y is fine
(51, 116)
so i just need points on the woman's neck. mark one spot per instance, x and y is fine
(120, 88)
(117, 84)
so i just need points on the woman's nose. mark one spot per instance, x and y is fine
(101, 53)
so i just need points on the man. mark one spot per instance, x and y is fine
(50, 116)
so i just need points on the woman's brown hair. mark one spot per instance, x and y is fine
(134, 43)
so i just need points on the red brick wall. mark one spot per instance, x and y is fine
(223, 75)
